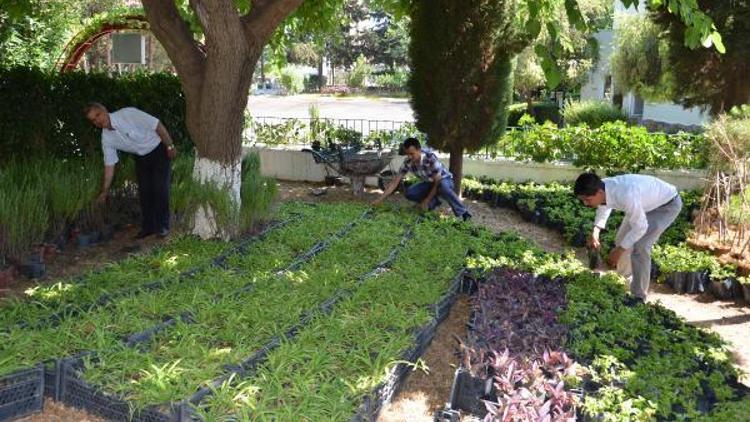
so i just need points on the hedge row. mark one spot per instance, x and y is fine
(613, 147)
(41, 111)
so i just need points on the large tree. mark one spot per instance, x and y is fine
(704, 77)
(216, 75)
(652, 60)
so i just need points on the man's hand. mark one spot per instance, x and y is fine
(171, 152)
(593, 241)
(424, 205)
(377, 201)
(614, 257)
(102, 198)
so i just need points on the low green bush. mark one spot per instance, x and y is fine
(612, 147)
(359, 73)
(543, 111)
(291, 80)
(395, 81)
(592, 113)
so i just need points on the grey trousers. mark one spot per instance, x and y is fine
(637, 261)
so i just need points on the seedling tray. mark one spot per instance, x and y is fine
(22, 393)
(78, 393)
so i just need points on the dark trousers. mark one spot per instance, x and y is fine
(153, 171)
(419, 192)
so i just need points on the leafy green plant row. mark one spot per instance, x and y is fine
(645, 362)
(614, 146)
(554, 206)
(184, 255)
(337, 360)
(175, 363)
(41, 111)
(102, 327)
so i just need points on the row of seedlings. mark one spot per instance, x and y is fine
(682, 268)
(343, 360)
(513, 364)
(101, 329)
(180, 258)
(152, 379)
(635, 362)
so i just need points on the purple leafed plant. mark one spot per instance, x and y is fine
(515, 339)
(518, 311)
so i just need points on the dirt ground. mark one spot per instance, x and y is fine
(73, 260)
(423, 393)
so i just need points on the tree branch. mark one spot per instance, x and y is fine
(265, 16)
(175, 35)
(221, 25)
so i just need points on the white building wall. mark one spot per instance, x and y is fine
(593, 89)
(673, 113)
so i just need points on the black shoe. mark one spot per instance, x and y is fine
(466, 216)
(162, 233)
(143, 234)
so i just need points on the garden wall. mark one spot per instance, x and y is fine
(291, 163)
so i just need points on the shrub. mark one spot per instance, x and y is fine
(543, 111)
(592, 113)
(41, 112)
(359, 73)
(612, 147)
(291, 80)
(311, 82)
(396, 80)
(287, 132)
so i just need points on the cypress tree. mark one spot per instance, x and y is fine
(461, 54)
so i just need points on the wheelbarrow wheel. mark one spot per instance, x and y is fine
(385, 178)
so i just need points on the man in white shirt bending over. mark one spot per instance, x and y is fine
(650, 205)
(136, 132)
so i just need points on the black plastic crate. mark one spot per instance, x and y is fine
(52, 378)
(373, 403)
(76, 392)
(22, 393)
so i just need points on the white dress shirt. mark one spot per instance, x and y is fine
(636, 195)
(133, 131)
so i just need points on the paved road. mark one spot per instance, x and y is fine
(331, 107)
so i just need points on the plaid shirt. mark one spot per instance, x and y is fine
(428, 166)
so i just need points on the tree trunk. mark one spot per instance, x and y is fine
(215, 122)
(320, 73)
(216, 79)
(456, 163)
(530, 105)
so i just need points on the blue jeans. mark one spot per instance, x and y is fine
(419, 192)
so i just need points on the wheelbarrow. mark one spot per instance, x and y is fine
(355, 163)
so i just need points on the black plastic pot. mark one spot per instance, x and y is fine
(695, 282)
(468, 392)
(34, 267)
(746, 293)
(595, 259)
(107, 232)
(677, 281)
(726, 289)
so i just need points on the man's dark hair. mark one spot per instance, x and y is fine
(412, 142)
(588, 184)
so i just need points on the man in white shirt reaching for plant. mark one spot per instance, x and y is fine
(650, 205)
(143, 135)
